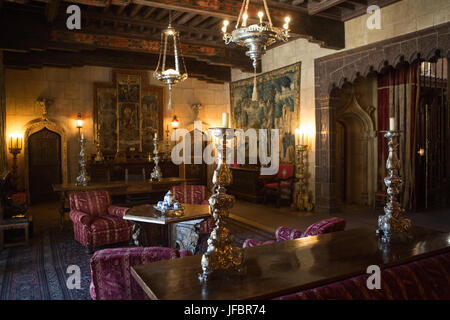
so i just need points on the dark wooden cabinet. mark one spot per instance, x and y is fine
(246, 184)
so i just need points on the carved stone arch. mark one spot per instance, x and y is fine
(36, 126)
(368, 139)
(330, 72)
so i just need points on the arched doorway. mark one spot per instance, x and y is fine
(45, 147)
(356, 145)
(44, 154)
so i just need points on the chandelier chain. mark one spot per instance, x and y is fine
(267, 12)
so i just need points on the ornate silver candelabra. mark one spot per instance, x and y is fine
(393, 226)
(221, 258)
(82, 179)
(156, 173)
(302, 199)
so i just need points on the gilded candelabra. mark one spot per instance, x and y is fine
(99, 155)
(302, 199)
(392, 226)
(82, 179)
(221, 258)
(156, 173)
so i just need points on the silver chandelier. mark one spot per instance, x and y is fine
(170, 76)
(255, 37)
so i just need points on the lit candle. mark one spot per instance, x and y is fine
(225, 120)
(286, 20)
(260, 16)
(244, 19)
(392, 123)
(156, 135)
(82, 135)
(225, 25)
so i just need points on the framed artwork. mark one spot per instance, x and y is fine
(127, 112)
(152, 115)
(278, 106)
(105, 116)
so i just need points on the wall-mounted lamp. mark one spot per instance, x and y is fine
(15, 146)
(421, 152)
(175, 123)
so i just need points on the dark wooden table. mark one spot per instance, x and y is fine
(116, 188)
(287, 267)
(152, 229)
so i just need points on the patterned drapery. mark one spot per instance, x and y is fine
(398, 92)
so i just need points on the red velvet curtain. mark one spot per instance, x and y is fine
(398, 90)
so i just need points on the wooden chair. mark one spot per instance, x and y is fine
(283, 181)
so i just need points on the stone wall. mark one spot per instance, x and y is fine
(72, 91)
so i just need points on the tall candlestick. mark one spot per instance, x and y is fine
(392, 123)
(225, 119)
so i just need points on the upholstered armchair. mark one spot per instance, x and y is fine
(196, 232)
(285, 233)
(95, 221)
(281, 185)
(110, 271)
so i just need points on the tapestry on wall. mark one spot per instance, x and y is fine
(127, 112)
(278, 105)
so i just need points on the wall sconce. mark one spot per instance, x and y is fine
(15, 146)
(175, 123)
(79, 123)
(421, 152)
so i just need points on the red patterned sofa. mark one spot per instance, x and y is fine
(110, 271)
(285, 233)
(424, 279)
(95, 221)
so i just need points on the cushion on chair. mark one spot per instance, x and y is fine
(325, 226)
(254, 243)
(284, 233)
(108, 223)
(191, 194)
(274, 185)
(94, 203)
(285, 171)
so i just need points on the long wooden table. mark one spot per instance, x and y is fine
(153, 229)
(116, 188)
(287, 267)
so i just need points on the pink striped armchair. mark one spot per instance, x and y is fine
(110, 271)
(286, 233)
(95, 221)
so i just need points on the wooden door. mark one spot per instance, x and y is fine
(44, 154)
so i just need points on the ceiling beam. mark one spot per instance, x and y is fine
(51, 10)
(317, 7)
(113, 59)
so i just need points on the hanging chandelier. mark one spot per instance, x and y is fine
(170, 76)
(255, 37)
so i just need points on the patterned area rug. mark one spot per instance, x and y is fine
(38, 272)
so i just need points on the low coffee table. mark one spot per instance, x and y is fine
(152, 229)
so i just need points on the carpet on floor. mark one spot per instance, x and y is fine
(39, 271)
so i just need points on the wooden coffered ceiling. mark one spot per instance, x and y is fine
(126, 33)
